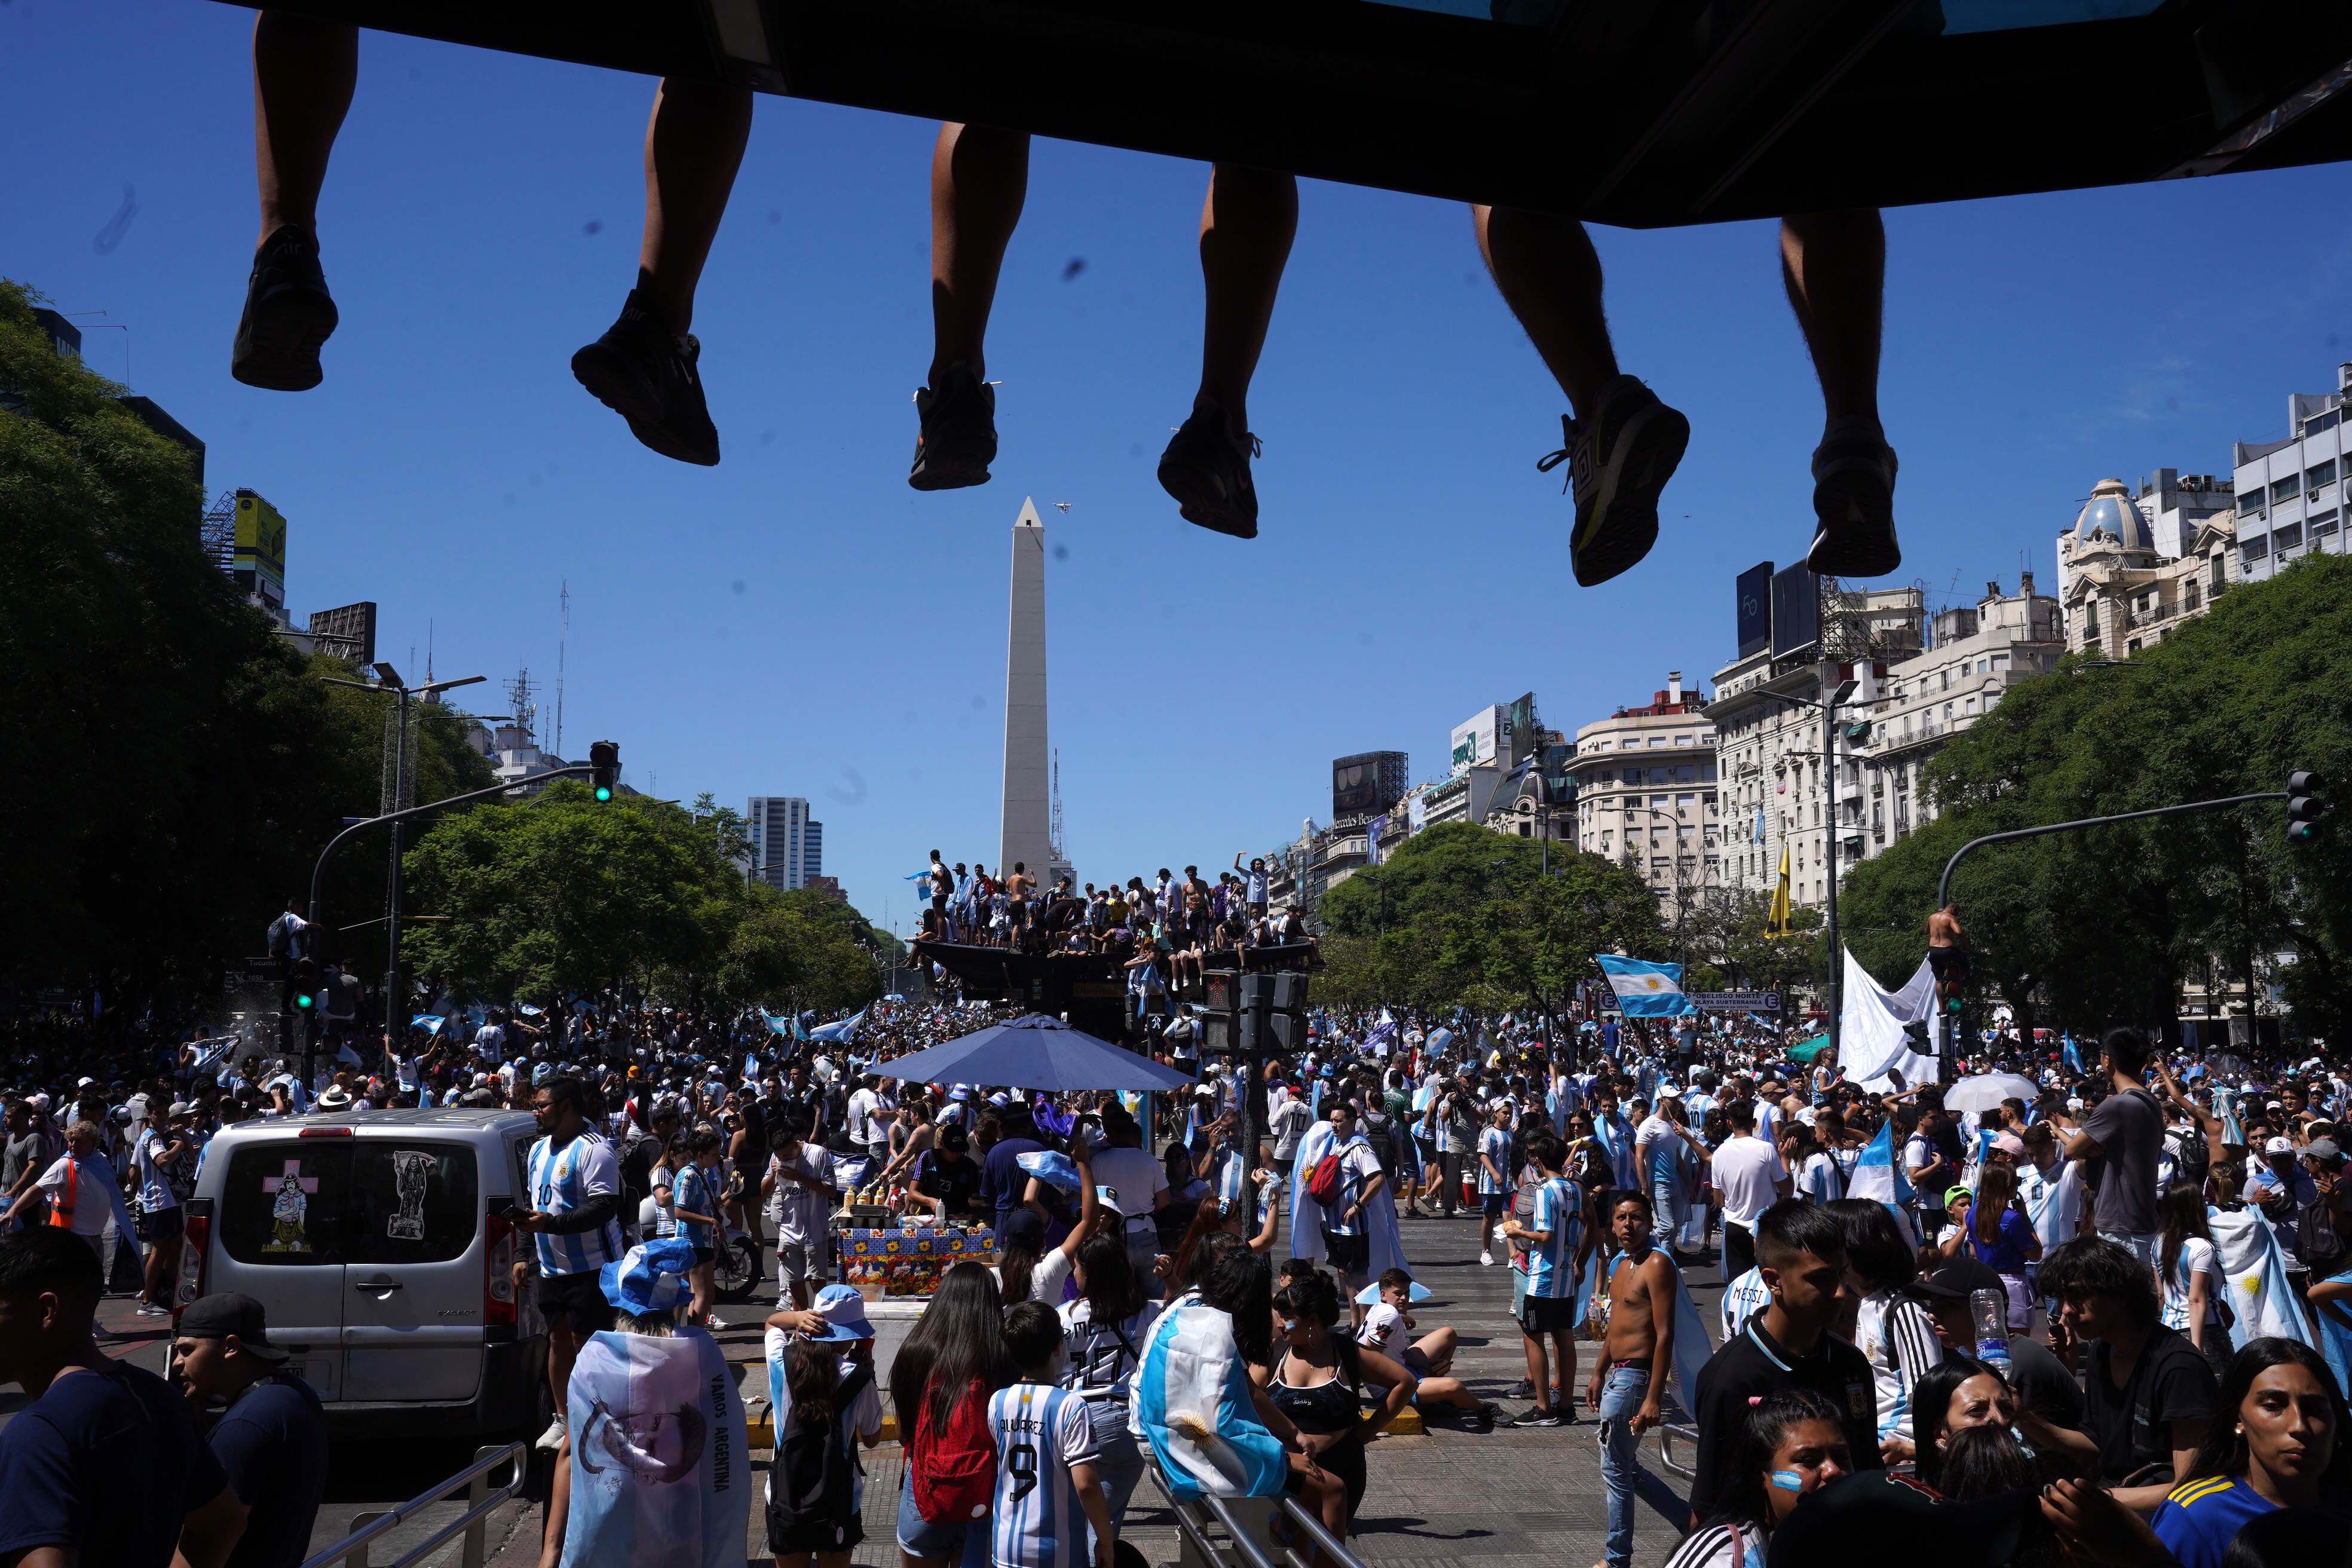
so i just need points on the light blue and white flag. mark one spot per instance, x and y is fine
(840, 1030)
(2072, 1050)
(1191, 1401)
(1878, 1174)
(1645, 989)
(660, 1468)
(2262, 1303)
(431, 1023)
(1372, 831)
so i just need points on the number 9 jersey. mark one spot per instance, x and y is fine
(1041, 1431)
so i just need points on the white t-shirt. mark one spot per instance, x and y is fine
(862, 1419)
(1358, 1166)
(1289, 1124)
(1743, 1170)
(1383, 1331)
(869, 1116)
(2196, 1258)
(91, 1211)
(154, 1187)
(1135, 1177)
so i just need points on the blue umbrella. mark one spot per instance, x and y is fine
(1034, 1052)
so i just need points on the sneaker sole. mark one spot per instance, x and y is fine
(946, 469)
(1202, 501)
(1620, 534)
(613, 383)
(277, 345)
(1856, 536)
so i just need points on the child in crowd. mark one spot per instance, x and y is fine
(826, 1403)
(1385, 1328)
(1045, 1480)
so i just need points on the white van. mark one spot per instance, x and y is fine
(376, 1242)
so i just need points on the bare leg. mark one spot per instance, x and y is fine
(1247, 222)
(1548, 273)
(304, 73)
(562, 1350)
(979, 178)
(1834, 266)
(1538, 1373)
(694, 144)
(559, 1508)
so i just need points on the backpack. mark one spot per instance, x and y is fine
(1380, 1130)
(814, 1472)
(2318, 1243)
(954, 1471)
(1325, 1183)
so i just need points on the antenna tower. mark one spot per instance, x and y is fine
(519, 695)
(562, 636)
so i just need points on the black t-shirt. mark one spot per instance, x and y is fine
(959, 1183)
(108, 1461)
(2171, 1381)
(272, 1443)
(2043, 1385)
(1754, 1364)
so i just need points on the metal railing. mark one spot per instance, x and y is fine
(1199, 1522)
(1669, 1434)
(481, 1498)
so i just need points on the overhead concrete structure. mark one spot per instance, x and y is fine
(1028, 834)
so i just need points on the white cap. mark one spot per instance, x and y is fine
(2278, 1146)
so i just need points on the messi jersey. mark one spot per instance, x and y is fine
(1552, 1273)
(564, 1180)
(1041, 1432)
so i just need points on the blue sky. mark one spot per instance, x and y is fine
(798, 621)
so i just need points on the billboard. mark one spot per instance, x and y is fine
(1477, 739)
(347, 631)
(1796, 611)
(1755, 598)
(260, 559)
(1366, 782)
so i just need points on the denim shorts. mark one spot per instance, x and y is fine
(918, 1537)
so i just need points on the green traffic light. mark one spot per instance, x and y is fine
(603, 792)
(302, 1000)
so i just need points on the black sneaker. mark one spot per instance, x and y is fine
(1618, 460)
(288, 315)
(959, 434)
(1853, 496)
(1207, 469)
(1538, 1418)
(1523, 1389)
(645, 374)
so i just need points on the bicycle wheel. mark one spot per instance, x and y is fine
(736, 1269)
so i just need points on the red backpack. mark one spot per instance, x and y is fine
(1325, 1183)
(954, 1470)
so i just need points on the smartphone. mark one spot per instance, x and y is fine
(513, 1215)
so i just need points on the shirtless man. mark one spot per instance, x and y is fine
(1018, 886)
(1633, 1309)
(1948, 951)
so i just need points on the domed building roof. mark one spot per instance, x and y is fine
(2110, 511)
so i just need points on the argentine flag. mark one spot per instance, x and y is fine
(844, 1029)
(2073, 1055)
(1878, 1174)
(1645, 989)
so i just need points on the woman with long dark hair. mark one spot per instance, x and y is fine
(1315, 1379)
(2276, 1441)
(1103, 1333)
(1892, 1332)
(2189, 1274)
(1956, 1394)
(1794, 1443)
(1997, 1232)
(954, 1358)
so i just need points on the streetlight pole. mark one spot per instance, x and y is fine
(1829, 679)
(388, 679)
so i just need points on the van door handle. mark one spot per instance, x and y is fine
(376, 1285)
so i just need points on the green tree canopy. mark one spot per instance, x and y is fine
(2107, 924)
(1462, 915)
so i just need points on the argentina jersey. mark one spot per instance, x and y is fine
(564, 1180)
(1551, 1271)
(1041, 1431)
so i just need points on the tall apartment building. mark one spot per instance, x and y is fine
(1646, 792)
(2290, 492)
(787, 844)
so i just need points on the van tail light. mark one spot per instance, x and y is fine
(196, 1255)
(498, 1273)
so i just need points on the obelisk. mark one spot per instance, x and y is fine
(1028, 834)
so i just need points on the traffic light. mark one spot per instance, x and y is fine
(1858, 732)
(604, 756)
(2304, 806)
(306, 985)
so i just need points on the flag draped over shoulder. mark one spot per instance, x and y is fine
(659, 1464)
(1878, 1173)
(2253, 1279)
(1192, 1403)
(1645, 989)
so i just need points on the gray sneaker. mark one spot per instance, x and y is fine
(1854, 497)
(1618, 460)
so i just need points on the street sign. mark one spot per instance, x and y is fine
(1737, 1001)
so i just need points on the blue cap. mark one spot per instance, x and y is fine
(650, 1278)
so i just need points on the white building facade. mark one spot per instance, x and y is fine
(1646, 792)
(2290, 493)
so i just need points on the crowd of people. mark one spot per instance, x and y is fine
(2119, 1289)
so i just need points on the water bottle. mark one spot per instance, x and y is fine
(1990, 1308)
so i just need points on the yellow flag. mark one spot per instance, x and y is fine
(1777, 923)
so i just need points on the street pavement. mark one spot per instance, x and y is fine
(1437, 1500)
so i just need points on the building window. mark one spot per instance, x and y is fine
(2250, 504)
(2323, 523)
(2253, 548)
(2132, 647)
(1682, 740)
(2188, 597)
(2286, 489)
(2090, 622)
(2319, 422)
(2319, 476)
(2286, 536)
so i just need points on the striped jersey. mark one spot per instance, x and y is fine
(1041, 1431)
(1551, 1265)
(564, 1180)
(1742, 1299)
(1495, 1151)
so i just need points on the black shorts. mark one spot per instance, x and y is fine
(703, 1255)
(1348, 1254)
(157, 1226)
(783, 1540)
(576, 1298)
(1949, 964)
(1541, 1315)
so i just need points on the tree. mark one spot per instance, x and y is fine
(173, 765)
(2105, 925)
(1461, 915)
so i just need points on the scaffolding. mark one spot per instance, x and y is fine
(216, 535)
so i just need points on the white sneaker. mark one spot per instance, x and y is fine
(1486, 1260)
(714, 1323)
(553, 1439)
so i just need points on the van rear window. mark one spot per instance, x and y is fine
(299, 1204)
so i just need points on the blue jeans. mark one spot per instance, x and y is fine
(1621, 1470)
